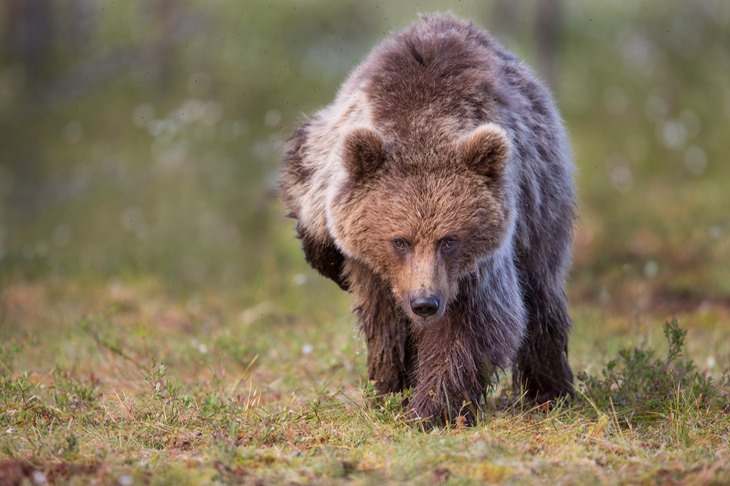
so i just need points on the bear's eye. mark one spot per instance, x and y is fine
(449, 244)
(400, 245)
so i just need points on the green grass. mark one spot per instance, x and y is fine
(124, 381)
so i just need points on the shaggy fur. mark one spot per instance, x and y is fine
(437, 188)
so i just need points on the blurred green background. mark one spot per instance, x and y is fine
(142, 138)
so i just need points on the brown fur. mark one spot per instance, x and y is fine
(438, 189)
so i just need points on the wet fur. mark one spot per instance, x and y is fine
(418, 102)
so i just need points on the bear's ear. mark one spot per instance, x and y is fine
(363, 153)
(485, 151)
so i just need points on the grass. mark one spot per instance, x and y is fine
(127, 383)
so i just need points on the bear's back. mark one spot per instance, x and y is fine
(437, 78)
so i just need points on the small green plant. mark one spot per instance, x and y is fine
(168, 397)
(644, 386)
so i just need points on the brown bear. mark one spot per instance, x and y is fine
(437, 188)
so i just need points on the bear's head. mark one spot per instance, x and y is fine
(422, 217)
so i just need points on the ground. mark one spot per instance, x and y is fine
(123, 381)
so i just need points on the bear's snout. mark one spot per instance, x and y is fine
(425, 306)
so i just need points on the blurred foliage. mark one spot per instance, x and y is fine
(143, 137)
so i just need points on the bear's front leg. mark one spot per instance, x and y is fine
(454, 371)
(542, 370)
(391, 351)
(458, 358)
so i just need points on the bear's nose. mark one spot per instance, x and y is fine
(425, 306)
